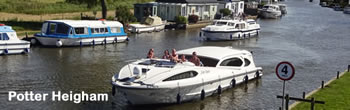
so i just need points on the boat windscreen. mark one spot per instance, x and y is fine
(158, 63)
(220, 23)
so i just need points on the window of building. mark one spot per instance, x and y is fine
(232, 62)
(80, 30)
(197, 8)
(62, 28)
(207, 8)
(4, 36)
(185, 75)
(213, 8)
(52, 28)
(247, 62)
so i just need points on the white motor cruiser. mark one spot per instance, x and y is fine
(9, 43)
(154, 81)
(271, 11)
(152, 24)
(230, 29)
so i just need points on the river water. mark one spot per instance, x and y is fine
(314, 39)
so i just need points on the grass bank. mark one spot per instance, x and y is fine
(336, 95)
(39, 7)
(21, 27)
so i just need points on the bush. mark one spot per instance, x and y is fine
(193, 19)
(225, 11)
(123, 15)
(180, 20)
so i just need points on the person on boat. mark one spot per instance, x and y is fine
(183, 58)
(195, 59)
(166, 54)
(150, 53)
(174, 57)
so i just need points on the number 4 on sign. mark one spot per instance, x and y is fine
(285, 69)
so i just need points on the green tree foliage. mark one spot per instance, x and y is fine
(92, 3)
(180, 20)
(123, 14)
(225, 11)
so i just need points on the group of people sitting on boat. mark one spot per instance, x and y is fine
(175, 58)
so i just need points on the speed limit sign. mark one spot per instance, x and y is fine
(285, 71)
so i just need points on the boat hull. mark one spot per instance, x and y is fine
(270, 15)
(228, 35)
(163, 95)
(14, 48)
(147, 29)
(50, 41)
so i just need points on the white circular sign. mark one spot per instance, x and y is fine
(285, 70)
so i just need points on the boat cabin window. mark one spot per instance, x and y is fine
(62, 28)
(220, 23)
(52, 28)
(99, 30)
(205, 60)
(247, 62)
(232, 62)
(185, 75)
(231, 24)
(115, 29)
(80, 30)
(4, 36)
(44, 28)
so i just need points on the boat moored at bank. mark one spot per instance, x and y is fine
(80, 32)
(270, 11)
(154, 81)
(230, 29)
(9, 42)
(151, 24)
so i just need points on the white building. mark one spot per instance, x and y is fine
(204, 9)
(236, 6)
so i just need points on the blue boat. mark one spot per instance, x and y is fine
(80, 32)
(9, 42)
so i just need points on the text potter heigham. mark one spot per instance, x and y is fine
(57, 96)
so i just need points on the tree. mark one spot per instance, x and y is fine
(92, 3)
(225, 12)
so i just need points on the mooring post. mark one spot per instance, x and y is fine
(280, 108)
(338, 75)
(322, 84)
(26, 35)
(287, 101)
(303, 95)
(348, 68)
(312, 103)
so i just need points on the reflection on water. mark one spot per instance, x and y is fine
(314, 39)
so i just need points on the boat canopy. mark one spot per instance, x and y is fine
(4, 28)
(89, 23)
(213, 52)
(153, 20)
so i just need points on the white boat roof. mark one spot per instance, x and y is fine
(89, 23)
(213, 52)
(5, 28)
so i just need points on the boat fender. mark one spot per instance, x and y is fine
(127, 39)
(33, 41)
(6, 51)
(116, 39)
(202, 94)
(246, 79)
(248, 34)
(257, 74)
(200, 34)
(231, 37)
(233, 83)
(105, 41)
(93, 42)
(113, 90)
(178, 98)
(257, 32)
(27, 50)
(244, 36)
(81, 43)
(58, 43)
(239, 35)
(219, 89)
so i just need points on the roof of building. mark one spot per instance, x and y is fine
(213, 52)
(187, 1)
(89, 23)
